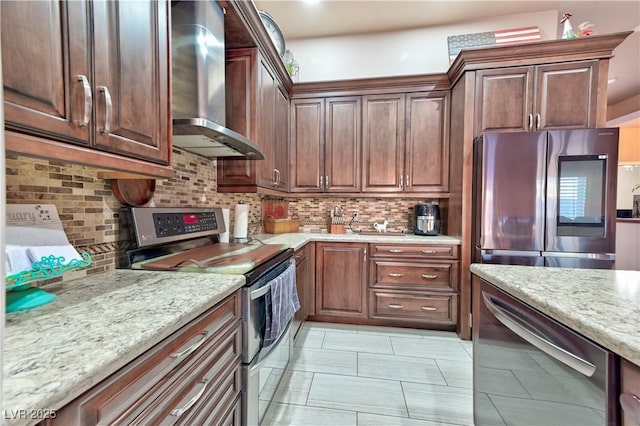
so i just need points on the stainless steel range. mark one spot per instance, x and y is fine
(186, 240)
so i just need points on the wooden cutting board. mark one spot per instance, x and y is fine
(214, 255)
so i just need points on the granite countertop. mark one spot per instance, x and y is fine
(96, 325)
(299, 239)
(603, 305)
(99, 323)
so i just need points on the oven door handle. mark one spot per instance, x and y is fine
(264, 360)
(260, 291)
(515, 324)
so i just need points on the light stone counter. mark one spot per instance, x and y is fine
(96, 325)
(299, 239)
(603, 305)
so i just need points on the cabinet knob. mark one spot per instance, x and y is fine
(396, 274)
(395, 251)
(538, 120)
(429, 276)
(88, 101)
(429, 308)
(530, 124)
(321, 182)
(429, 251)
(108, 109)
(395, 306)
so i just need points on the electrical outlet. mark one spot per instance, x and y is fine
(356, 217)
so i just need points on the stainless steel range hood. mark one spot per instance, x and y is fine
(198, 83)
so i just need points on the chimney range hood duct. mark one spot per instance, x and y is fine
(198, 83)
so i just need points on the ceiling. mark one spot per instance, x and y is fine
(301, 19)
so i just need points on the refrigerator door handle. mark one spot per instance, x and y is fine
(512, 253)
(595, 256)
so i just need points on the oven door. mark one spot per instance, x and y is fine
(261, 378)
(254, 313)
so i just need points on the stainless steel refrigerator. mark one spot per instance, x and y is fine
(546, 198)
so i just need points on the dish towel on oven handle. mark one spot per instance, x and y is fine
(281, 304)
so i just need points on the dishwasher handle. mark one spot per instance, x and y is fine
(516, 325)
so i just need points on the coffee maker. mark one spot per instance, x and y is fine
(426, 219)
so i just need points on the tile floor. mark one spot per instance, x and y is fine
(362, 375)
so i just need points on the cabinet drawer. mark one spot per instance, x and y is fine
(414, 251)
(165, 369)
(413, 306)
(412, 275)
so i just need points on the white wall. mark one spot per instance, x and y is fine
(628, 177)
(418, 51)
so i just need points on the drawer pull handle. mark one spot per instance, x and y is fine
(429, 277)
(430, 251)
(88, 101)
(394, 306)
(429, 308)
(191, 348)
(396, 274)
(190, 403)
(395, 251)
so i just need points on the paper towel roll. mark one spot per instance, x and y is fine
(224, 236)
(241, 221)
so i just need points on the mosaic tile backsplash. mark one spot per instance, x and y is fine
(90, 212)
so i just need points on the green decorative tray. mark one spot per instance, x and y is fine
(20, 294)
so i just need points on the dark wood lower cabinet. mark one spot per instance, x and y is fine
(406, 285)
(191, 377)
(305, 285)
(341, 280)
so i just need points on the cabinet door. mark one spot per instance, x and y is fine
(240, 86)
(266, 124)
(46, 69)
(341, 273)
(383, 143)
(307, 142)
(281, 140)
(427, 143)
(565, 95)
(131, 87)
(342, 144)
(504, 100)
(302, 262)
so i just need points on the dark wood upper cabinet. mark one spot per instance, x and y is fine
(307, 145)
(427, 142)
(46, 69)
(565, 95)
(90, 74)
(325, 144)
(405, 143)
(257, 107)
(342, 144)
(281, 139)
(266, 124)
(383, 143)
(553, 96)
(130, 95)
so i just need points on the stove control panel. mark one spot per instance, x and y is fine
(170, 224)
(160, 225)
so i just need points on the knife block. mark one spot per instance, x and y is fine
(336, 228)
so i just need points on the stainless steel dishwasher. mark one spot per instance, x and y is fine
(529, 369)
